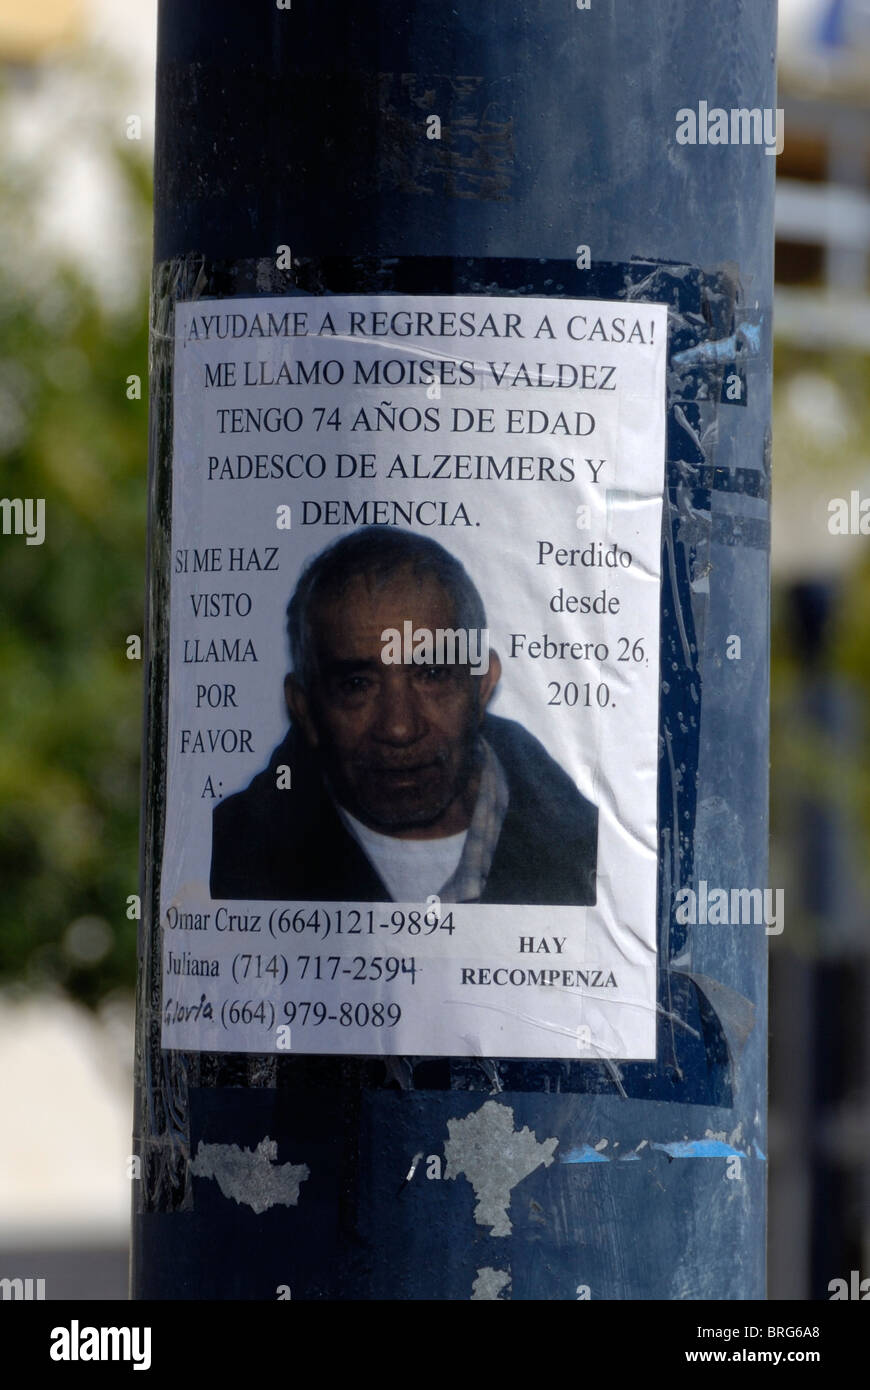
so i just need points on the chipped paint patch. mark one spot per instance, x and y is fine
(251, 1176)
(700, 1148)
(413, 1168)
(490, 1284)
(494, 1156)
(713, 1145)
(585, 1154)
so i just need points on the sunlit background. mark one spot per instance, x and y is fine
(75, 232)
(76, 132)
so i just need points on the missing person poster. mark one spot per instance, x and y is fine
(414, 676)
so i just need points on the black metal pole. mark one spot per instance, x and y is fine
(533, 158)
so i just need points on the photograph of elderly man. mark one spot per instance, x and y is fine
(394, 781)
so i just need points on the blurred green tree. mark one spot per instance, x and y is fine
(70, 700)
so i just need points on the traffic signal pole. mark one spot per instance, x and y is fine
(453, 960)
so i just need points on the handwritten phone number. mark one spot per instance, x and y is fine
(309, 1011)
(357, 922)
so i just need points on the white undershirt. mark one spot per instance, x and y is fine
(412, 870)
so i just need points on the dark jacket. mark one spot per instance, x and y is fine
(291, 844)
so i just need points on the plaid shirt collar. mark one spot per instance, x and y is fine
(467, 882)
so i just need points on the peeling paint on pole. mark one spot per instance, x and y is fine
(486, 1149)
(251, 1175)
(490, 1285)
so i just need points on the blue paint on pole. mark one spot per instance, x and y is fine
(586, 1154)
(271, 131)
(700, 1148)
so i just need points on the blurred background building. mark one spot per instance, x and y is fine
(820, 966)
(75, 236)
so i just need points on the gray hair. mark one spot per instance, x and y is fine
(375, 552)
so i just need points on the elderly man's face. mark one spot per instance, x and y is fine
(397, 741)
